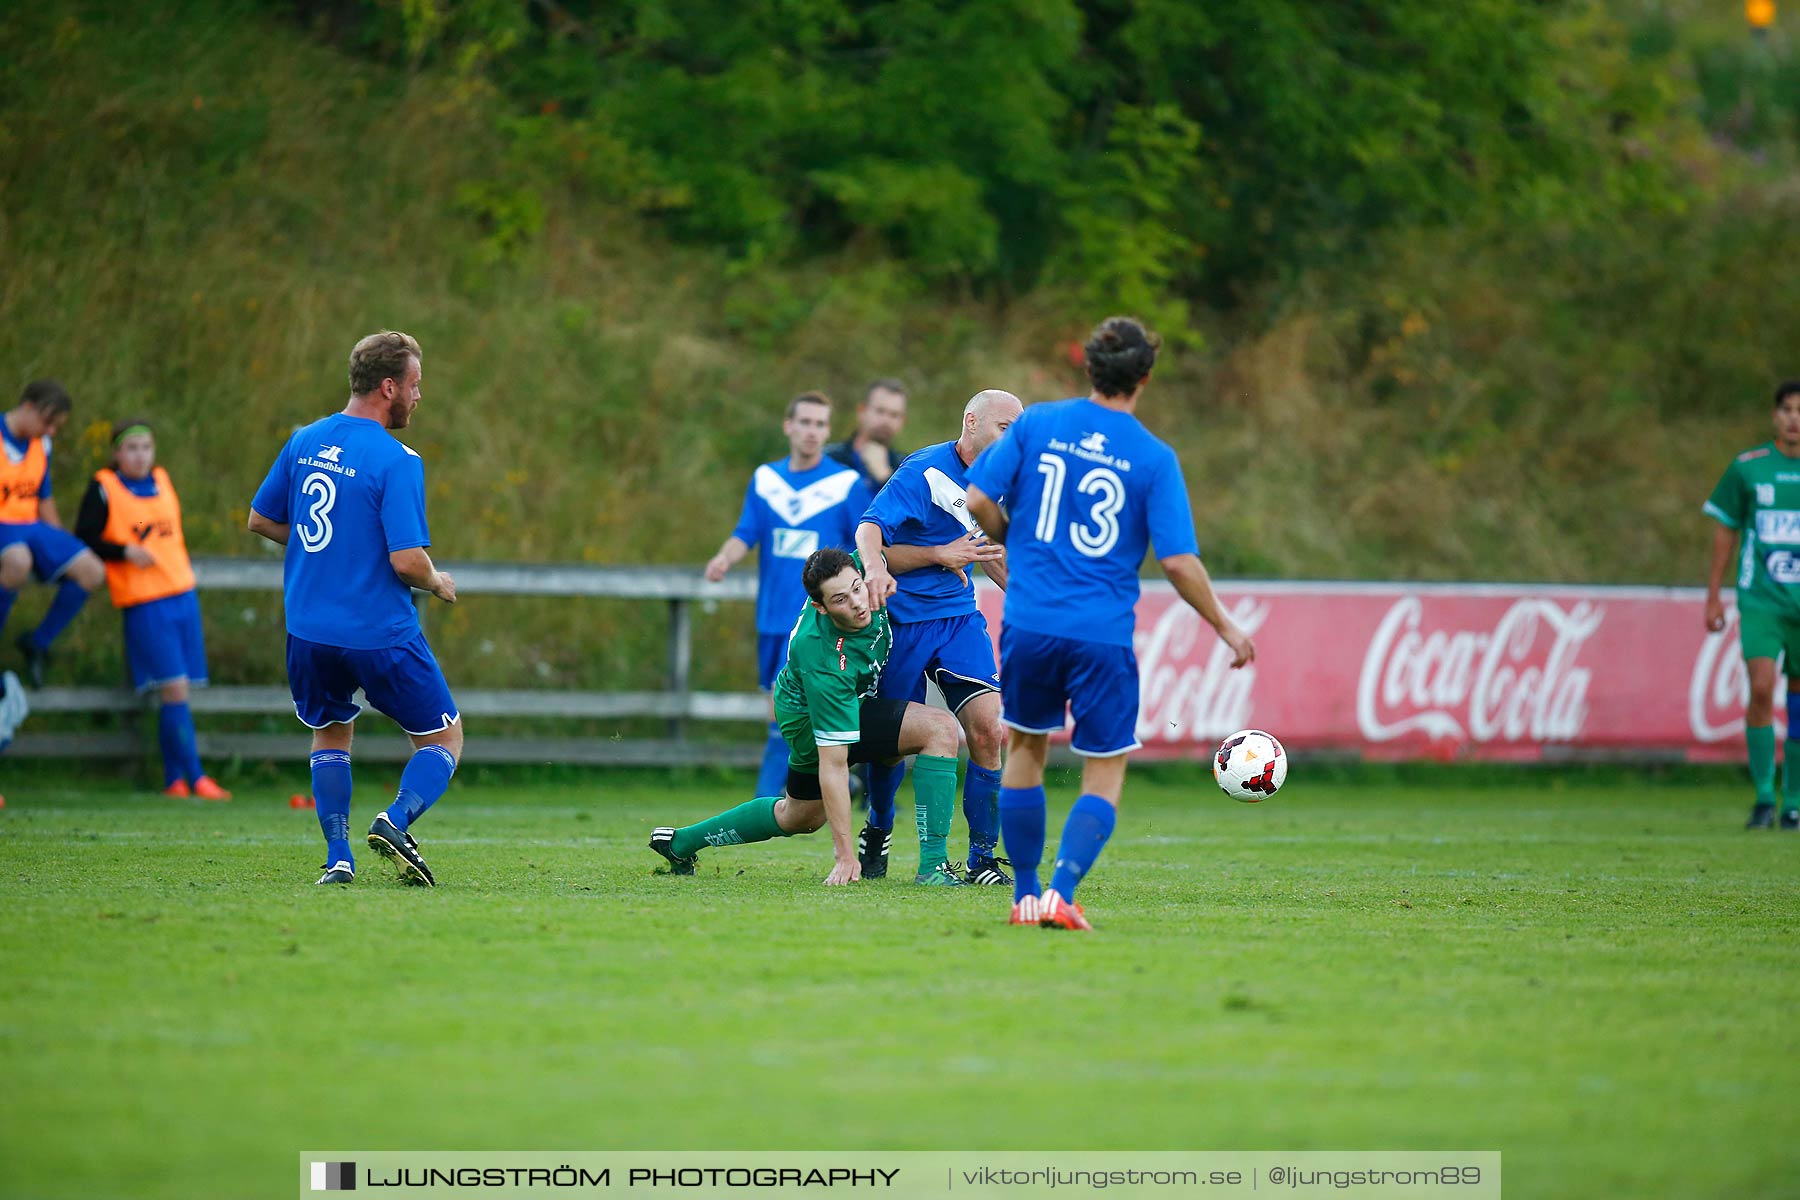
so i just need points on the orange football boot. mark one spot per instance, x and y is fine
(208, 788)
(1025, 911)
(178, 790)
(1056, 913)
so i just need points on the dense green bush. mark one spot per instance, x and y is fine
(1148, 153)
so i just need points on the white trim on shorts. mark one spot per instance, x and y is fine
(349, 720)
(1029, 729)
(984, 685)
(1135, 745)
(449, 720)
(67, 563)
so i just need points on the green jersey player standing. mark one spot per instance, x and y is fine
(1757, 503)
(829, 716)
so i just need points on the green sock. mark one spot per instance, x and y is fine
(934, 798)
(751, 821)
(1760, 739)
(1790, 776)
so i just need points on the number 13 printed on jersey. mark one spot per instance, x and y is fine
(1100, 482)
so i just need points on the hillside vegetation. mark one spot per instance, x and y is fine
(1514, 336)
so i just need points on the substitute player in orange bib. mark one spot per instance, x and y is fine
(130, 517)
(32, 539)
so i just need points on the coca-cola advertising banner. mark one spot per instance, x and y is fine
(1442, 671)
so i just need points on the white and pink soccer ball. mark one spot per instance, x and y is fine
(1250, 766)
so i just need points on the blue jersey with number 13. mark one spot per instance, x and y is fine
(1089, 490)
(353, 495)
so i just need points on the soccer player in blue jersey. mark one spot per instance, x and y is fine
(1091, 490)
(32, 539)
(920, 525)
(347, 499)
(793, 506)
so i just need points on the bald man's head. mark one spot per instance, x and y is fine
(987, 416)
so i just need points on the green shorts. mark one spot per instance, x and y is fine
(1765, 633)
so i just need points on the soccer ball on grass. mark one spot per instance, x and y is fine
(1250, 766)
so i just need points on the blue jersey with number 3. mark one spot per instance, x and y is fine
(1089, 490)
(353, 495)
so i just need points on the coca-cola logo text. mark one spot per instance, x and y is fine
(1182, 696)
(1517, 682)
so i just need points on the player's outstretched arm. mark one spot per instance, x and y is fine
(987, 514)
(951, 556)
(1724, 549)
(1194, 585)
(729, 556)
(834, 785)
(275, 531)
(878, 566)
(415, 569)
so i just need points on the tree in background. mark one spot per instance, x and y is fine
(1147, 151)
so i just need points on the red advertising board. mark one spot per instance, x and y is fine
(1391, 671)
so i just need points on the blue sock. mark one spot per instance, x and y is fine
(884, 785)
(7, 596)
(426, 776)
(175, 734)
(772, 779)
(1084, 835)
(69, 599)
(981, 809)
(1022, 827)
(331, 792)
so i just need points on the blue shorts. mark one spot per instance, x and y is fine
(163, 642)
(771, 656)
(402, 681)
(1041, 674)
(956, 653)
(52, 549)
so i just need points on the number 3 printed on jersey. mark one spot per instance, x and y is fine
(315, 530)
(1102, 483)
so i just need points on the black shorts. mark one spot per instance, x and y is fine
(878, 728)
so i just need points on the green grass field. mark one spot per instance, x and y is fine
(1596, 976)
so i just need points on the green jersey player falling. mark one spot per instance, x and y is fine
(829, 716)
(1757, 505)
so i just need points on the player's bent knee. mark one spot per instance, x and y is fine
(15, 565)
(985, 740)
(449, 739)
(174, 692)
(942, 734)
(799, 816)
(87, 570)
(334, 737)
